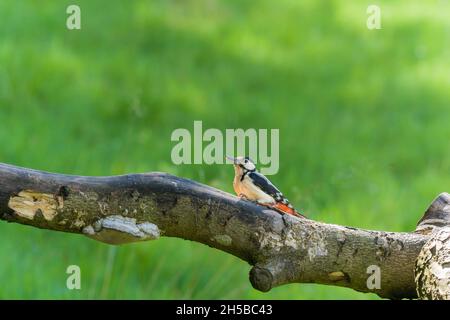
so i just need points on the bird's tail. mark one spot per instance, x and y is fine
(288, 210)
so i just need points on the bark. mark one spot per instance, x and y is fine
(282, 249)
(433, 263)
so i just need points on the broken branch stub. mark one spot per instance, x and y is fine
(281, 248)
(432, 269)
(436, 216)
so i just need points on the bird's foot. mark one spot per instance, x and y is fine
(244, 197)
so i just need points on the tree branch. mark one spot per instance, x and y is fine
(282, 249)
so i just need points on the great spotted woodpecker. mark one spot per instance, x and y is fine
(254, 186)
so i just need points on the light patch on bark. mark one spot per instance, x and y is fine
(315, 244)
(290, 241)
(63, 222)
(277, 242)
(118, 230)
(79, 221)
(27, 203)
(336, 276)
(223, 239)
(89, 230)
(316, 250)
(269, 240)
(89, 196)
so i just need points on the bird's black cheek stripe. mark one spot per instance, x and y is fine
(243, 176)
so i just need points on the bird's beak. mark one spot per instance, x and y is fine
(231, 159)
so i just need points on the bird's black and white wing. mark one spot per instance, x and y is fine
(267, 187)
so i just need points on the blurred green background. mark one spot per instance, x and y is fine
(364, 120)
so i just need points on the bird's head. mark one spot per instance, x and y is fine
(243, 163)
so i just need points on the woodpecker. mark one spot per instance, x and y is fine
(254, 186)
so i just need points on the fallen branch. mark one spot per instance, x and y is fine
(281, 249)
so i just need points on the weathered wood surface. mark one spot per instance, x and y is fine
(282, 249)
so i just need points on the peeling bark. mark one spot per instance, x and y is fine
(29, 203)
(282, 249)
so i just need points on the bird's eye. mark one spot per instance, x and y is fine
(246, 161)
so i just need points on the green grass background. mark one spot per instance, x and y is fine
(363, 115)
